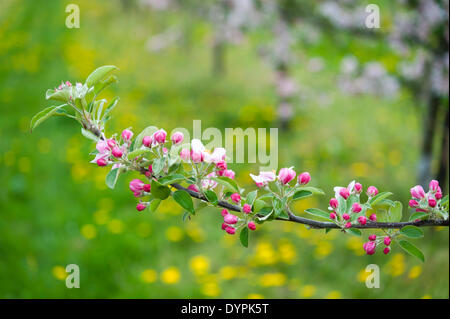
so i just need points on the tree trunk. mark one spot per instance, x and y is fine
(442, 175)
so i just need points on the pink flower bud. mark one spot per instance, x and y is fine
(224, 212)
(333, 215)
(230, 219)
(386, 250)
(334, 203)
(221, 165)
(417, 192)
(286, 175)
(356, 208)
(432, 202)
(148, 174)
(165, 150)
(246, 208)
(230, 230)
(348, 225)
(160, 136)
(434, 185)
(344, 193)
(372, 191)
(369, 247)
(136, 185)
(184, 154)
(193, 188)
(147, 188)
(111, 143)
(127, 135)
(102, 162)
(235, 197)
(373, 217)
(413, 203)
(117, 152)
(346, 216)
(373, 237)
(387, 240)
(358, 188)
(227, 173)
(421, 210)
(147, 141)
(362, 220)
(140, 207)
(224, 226)
(197, 156)
(304, 178)
(251, 225)
(438, 195)
(177, 137)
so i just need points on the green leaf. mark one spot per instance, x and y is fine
(158, 165)
(159, 191)
(259, 205)
(228, 183)
(104, 84)
(444, 201)
(395, 212)
(211, 197)
(376, 199)
(148, 131)
(251, 197)
(89, 135)
(301, 194)
(184, 200)
(57, 95)
(244, 237)
(154, 205)
(186, 215)
(313, 190)
(111, 105)
(319, 213)
(111, 178)
(411, 249)
(418, 215)
(99, 74)
(354, 231)
(132, 155)
(170, 179)
(43, 115)
(411, 231)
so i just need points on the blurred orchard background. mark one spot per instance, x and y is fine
(350, 103)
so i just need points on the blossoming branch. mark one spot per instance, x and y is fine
(196, 177)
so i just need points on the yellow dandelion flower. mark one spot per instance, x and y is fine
(355, 244)
(255, 296)
(265, 254)
(415, 272)
(396, 266)
(287, 253)
(101, 217)
(106, 204)
(170, 276)
(196, 233)
(116, 226)
(148, 276)
(360, 169)
(272, 279)
(88, 231)
(59, 272)
(199, 265)
(362, 275)
(323, 249)
(211, 289)
(307, 291)
(334, 295)
(228, 272)
(174, 233)
(426, 296)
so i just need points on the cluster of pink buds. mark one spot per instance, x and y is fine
(159, 138)
(346, 207)
(426, 202)
(285, 176)
(140, 189)
(231, 222)
(110, 149)
(374, 241)
(63, 85)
